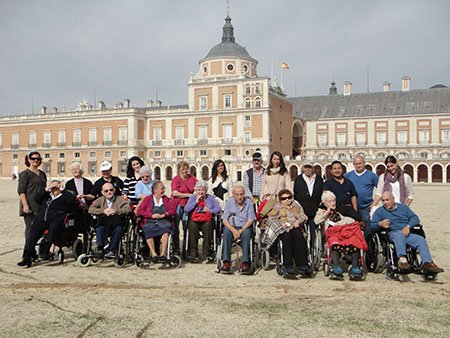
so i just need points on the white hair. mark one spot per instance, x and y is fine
(145, 170)
(201, 184)
(238, 186)
(77, 164)
(326, 195)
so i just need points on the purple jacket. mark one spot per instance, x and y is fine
(210, 202)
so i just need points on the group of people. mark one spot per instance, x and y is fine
(343, 202)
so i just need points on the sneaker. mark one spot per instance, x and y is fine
(226, 266)
(431, 268)
(337, 270)
(404, 267)
(356, 271)
(110, 255)
(289, 270)
(245, 267)
(25, 262)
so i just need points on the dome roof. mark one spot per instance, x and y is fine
(436, 86)
(228, 47)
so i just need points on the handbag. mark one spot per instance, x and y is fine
(200, 214)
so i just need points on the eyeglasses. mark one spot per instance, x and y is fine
(284, 198)
(108, 190)
(145, 176)
(35, 159)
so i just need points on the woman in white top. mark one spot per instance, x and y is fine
(276, 177)
(219, 183)
(396, 181)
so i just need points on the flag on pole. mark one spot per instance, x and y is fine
(284, 65)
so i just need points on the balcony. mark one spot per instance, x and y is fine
(14, 146)
(46, 145)
(107, 143)
(424, 142)
(227, 140)
(76, 144)
(92, 143)
(157, 142)
(61, 144)
(341, 144)
(32, 145)
(178, 142)
(202, 141)
(123, 142)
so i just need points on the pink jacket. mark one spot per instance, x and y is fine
(146, 206)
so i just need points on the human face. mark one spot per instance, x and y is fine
(257, 164)
(276, 161)
(331, 203)
(108, 190)
(201, 192)
(184, 172)
(135, 165)
(146, 177)
(392, 167)
(35, 160)
(239, 195)
(388, 200)
(308, 170)
(358, 163)
(106, 173)
(220, 168)
(286, 199)
(336, 170)
(76, 172)
(159, 190)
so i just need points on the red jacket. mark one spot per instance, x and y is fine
(349, 234)
(146, 206)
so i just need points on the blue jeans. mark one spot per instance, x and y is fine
(115, 237)
(365, 215)
(415, 241)
(245, 242)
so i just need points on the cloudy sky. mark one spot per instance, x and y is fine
(55, 53)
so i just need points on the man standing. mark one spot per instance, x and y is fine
(237, 218)
(398, 219)
(253, 178)
(364, 181)
(106, 169)
(308, 192)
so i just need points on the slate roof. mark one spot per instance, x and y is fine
(395, 103)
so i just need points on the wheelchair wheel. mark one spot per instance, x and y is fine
(83, 260)
(326, 268)
(317, 251)
(280, 269)
(60, 257)
(265, 259)
(77, 248)
(139, 261)
(44, 249)
(119, 262)
(175, 261)
(219, 258)
(391, 273)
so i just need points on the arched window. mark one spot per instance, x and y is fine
(205, 173)
(193, 170)
(257, 102)
(169, 173)
(247, 103)
(247, 89)
(157, 173)
(257, 88)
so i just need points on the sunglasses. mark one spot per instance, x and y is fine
(35, 159)
(108, 190)
(285, 198)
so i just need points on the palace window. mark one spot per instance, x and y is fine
(203, 102)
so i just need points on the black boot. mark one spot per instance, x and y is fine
(26, 261)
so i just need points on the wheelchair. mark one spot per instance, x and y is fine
(382, 256)
(217, 222)
(74, 234)
(237, 248)
(94, 255)
(142, 256)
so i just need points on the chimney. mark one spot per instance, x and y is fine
(347, 88)
(405, 83)
(43, 110)
(333, 89)
(149, 103)
(127, 103)
(54, 110)
(386, 86)
(101, 105)
(159, 103)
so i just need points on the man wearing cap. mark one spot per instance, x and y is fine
(55, 204)
(308, 192)
(364, 181)
(253, 178)
(106, 169)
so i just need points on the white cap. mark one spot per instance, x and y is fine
(105, 166)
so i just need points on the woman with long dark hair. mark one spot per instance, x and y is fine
(220, 184)
(396, 181)
(134, 164)
(31, 182)
(276, 177)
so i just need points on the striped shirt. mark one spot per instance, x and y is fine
(129, 187)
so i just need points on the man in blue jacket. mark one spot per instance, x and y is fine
(398, 219)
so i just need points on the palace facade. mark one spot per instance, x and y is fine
(233, 112)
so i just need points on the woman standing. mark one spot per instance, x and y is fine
(219, 184)
(396, 181)
(276, 177)
(31, 182)
(133, 176)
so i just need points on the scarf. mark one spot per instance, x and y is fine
(397, 177)
(274, 171)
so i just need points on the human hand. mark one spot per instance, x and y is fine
(237, 234)
(406, 231)
(26, 209)
(384, 223)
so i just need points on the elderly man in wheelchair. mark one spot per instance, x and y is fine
(398, 219)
